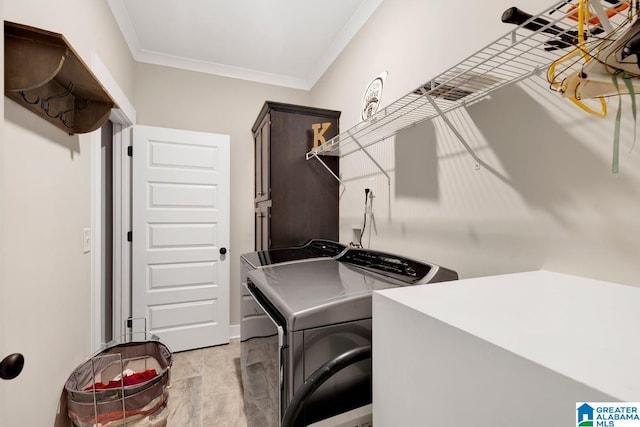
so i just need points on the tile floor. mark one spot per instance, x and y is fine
(206, 389)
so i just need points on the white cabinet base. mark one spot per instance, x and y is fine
(518, 349)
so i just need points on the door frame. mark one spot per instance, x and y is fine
(122, 118)
(121, 226)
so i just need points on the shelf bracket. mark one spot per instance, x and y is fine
(364, 150)
(454, 130)
(602, 16)
(313, 154)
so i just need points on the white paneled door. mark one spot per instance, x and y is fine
(180, 209)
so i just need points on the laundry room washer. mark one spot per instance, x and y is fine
(312, 250)
(310, 313)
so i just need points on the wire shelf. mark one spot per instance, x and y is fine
(517, 55)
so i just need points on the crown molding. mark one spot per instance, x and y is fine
(357, 21)
(189, 64)
(343, 38)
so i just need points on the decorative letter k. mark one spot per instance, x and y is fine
(319, 130)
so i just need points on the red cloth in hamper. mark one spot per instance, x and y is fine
(133, 379)
(152, 407)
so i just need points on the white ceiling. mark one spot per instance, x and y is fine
(283, 42)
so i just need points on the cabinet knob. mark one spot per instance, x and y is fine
(223, 251)
(11, 366)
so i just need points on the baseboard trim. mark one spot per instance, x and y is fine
(234, 332)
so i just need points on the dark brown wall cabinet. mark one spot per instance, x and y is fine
(295, 199)
(45, 75)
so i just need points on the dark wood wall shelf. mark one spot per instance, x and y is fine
(45, 75)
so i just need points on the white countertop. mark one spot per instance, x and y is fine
(585, 329)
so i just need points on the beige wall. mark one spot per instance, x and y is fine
(547, 201)
(173, 98)
(45, 188)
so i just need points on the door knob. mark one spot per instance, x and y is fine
(223, 251)
(11, 366)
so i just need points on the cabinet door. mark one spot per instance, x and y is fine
(304, 194)
(262, 215)
(262, 160)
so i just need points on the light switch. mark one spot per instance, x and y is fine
(86, 240)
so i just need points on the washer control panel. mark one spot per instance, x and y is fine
(399, 268)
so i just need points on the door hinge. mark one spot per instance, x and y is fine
(129, 236)
(130, 151)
